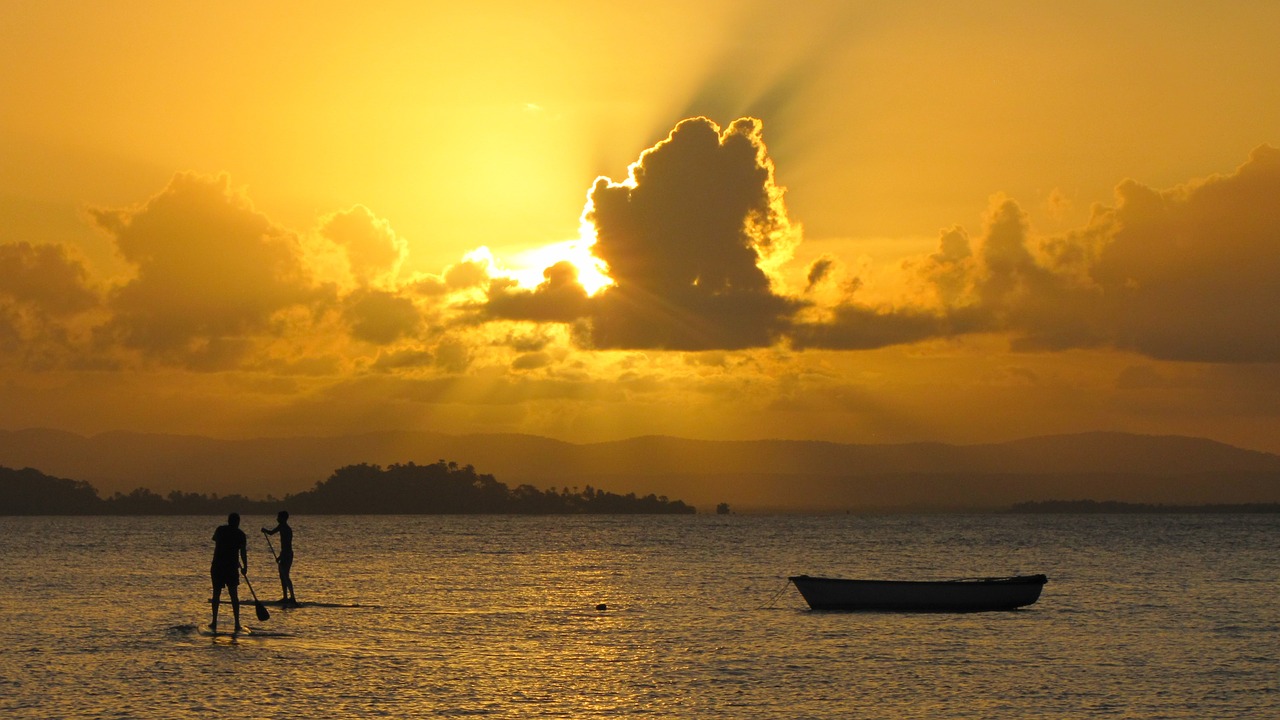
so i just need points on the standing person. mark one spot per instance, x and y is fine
(285, 559)
(228, 541)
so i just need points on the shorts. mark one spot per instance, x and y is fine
(224, 577)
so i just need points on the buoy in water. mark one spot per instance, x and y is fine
(602, 606)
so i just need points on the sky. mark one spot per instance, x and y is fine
(844, 221)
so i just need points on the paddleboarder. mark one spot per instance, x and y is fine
(285, 559)
(228, 541)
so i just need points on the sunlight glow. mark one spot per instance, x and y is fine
(527, 267)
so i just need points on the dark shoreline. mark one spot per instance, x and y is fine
(448, 489)
(442, 488)
(1115, 507)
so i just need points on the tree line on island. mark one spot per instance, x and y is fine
(409, 489)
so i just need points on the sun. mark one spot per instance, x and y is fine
(528, 265)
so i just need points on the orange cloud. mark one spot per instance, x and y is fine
(559, 298)
(1181, 274)
(381, 317)
(211, 272)
(374, 251)
(42, 291)
(684, 238)
(1190, 273)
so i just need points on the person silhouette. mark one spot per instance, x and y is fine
(228, 541)
(285, 559)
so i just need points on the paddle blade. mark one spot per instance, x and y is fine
(261, 609)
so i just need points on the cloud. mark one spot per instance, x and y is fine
(819, 271)
(684, 238)
(45, 278)
(1184, 274)
(380, 317)
(1190, 273)
(43, 291)
(408, 359)
(211, 272)
(453, 356)
(693, 239)
(559, 298)
(532, 361)
(853, 327)
(374, 251)
(1179, 274)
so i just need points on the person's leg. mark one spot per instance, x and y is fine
(286, 582)
(233, 591)
(217, 597)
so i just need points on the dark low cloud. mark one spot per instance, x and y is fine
(559, 298)
(45, 278)
(852, 327)
(381, 317)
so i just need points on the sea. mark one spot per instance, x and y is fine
(1144, 616)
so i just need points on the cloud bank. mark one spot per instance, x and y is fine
(698, 243)
(1177, 274)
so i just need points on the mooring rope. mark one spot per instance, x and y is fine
(774, 599)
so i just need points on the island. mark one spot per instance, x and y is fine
(440, 488)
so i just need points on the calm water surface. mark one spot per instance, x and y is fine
(1143, 617)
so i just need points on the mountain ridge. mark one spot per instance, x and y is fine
(758, 474)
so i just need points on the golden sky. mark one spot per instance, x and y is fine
(858, 222)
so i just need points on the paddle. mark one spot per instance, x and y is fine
(258, 607)
(273, 547)
(283, 601)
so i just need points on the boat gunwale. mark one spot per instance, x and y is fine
(1038, 579)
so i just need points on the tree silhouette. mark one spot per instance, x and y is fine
(411, 489)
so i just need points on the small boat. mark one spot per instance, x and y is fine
(964, 595)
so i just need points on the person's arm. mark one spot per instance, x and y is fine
(272, 531)
(244, 558)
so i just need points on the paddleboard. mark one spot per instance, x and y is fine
(304, 604)
(244, 632)
(225, 632)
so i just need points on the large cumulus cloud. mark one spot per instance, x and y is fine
(211, 271)
(684, 237)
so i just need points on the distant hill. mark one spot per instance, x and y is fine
(749, 475)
